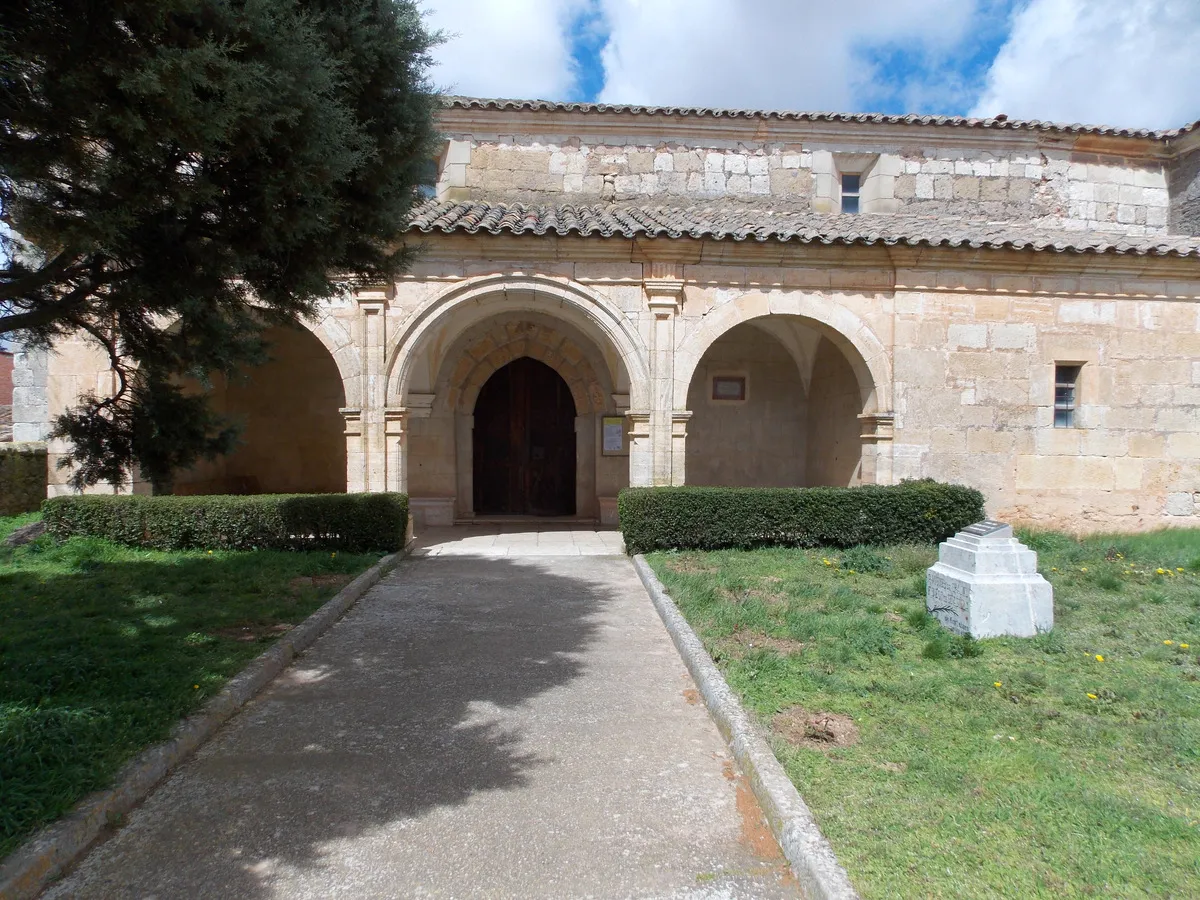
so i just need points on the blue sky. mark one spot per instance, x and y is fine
(1121, 62)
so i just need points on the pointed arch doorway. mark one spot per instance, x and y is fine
(524, 442)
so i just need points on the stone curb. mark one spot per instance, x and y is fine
(45, 856)
(821, 876)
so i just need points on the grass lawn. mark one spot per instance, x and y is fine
(1059, 766)
(104, 648)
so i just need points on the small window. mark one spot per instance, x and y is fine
(851, 185)
(1066, 381)
(729, 387)
(427, 179)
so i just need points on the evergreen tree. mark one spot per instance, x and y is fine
(177, 174)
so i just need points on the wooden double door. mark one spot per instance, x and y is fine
(524, 442)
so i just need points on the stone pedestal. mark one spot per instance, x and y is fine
(985, 584)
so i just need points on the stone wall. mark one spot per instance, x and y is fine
(1185, 193)
(975, 393)
(834, 431)
(1053, 188)
(759, 442)
(30, 410)
(292, 439)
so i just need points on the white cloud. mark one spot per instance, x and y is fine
(780, 54)
(1133, 63)
(504, 48)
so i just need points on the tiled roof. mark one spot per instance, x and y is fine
(877, 118)
(741, 223)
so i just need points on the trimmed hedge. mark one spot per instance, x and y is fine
(353, 522)
(711, 518)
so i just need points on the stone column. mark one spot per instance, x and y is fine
(396, 438)
(664, 294)
(877, 433)
(372, 312)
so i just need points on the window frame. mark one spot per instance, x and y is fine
(739, 377)
(1066, 394)
(855, 195)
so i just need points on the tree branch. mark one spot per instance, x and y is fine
(62, 309)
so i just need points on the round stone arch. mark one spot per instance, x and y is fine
(504, 343)
(864, 352)
(330, 331)
(591, 313)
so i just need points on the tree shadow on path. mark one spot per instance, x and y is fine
(392, 715)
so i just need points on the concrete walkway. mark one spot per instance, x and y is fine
(477, 726)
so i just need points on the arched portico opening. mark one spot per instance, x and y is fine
(292, 438)
(524, 442)
(777, 401)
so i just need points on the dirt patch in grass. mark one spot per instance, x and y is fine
(741, 642)
(689, 566)
(815, 730)
(296, 585)
(253, 631)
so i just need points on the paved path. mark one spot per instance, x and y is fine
(475, 727)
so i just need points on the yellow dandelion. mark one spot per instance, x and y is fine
(1183, 646)
(852, 572)
(1083, 569)
(1161, 571)
(827, 562)
(1093, 697)
(195, 687)
(1054, 568)
(997, 684)
(1099, 658)
(1179, 568)
(210, 553)
(1168, 643)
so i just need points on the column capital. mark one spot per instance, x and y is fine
(353, 417)
(394, 418)
(664, 289)
(373, 298)
(878, 426)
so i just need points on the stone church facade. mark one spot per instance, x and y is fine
(611, 296)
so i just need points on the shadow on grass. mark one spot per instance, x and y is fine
(394, 714)
(103, 649)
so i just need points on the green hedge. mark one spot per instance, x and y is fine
(710, 518)
(354, 522)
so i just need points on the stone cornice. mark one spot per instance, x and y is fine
(867, 269)
(641, 129)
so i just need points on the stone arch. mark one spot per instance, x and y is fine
(865, 353)
(506, 342)
(585, 309)
(337, 340)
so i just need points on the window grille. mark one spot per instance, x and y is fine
(1066, 381)
(851, 191)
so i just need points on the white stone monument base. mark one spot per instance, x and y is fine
(986, 584)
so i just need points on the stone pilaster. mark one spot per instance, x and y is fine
(372, 313)
(679, 420)
(641, 459)
(356, 456)
(664, 295)
(396, 439)
(878, 430)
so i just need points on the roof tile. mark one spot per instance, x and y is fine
(742, 223)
